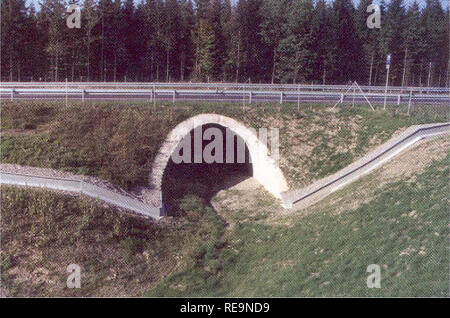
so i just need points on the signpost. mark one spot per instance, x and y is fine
(388, 67)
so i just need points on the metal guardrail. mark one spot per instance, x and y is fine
(220, 86)
(83, 187)
(246, 96)
(324, 187)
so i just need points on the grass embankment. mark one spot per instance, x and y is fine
(119, 255)
(323, 253)
(118, 141)
(401, 225)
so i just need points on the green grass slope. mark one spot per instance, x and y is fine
(238, 248)
(42, 232)
(403, 227)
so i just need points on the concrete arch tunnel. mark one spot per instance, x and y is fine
(264, 168)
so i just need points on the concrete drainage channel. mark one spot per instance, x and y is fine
(297, 199)
(82, 187)
(300, 199)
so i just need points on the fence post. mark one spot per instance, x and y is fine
(409, 103)
(154, 97)
(67, 94)
(354, 92)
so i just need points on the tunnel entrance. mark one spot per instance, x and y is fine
(204, 180)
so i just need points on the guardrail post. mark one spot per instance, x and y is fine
(409, 103)
(342, 98)
(281, 98)
(82, 95)
(250, 98)
(354, 92)
(154, 97)
(67, 93)
(12, 94)
(398, 100)
(174, 94)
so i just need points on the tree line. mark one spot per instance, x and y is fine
(256, 41)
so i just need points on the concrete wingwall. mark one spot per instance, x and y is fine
(265, 168)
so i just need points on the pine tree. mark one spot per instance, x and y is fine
(445, 45)
(433, 39)
(206, 51)
(368, 41)
(392, 33)
(90, 18)
(413, 45)
(321, 42)
(253, 63)
(345, 41)
(186, 45)
(214, 18)
(227, 27)
(296, 50)
(14, 24)
(273, 27)
(210, 43)
(171, 37)
(36, 58)
(53, 12)
(118, 47)
(74, 49)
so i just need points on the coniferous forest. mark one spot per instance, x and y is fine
(255, 41)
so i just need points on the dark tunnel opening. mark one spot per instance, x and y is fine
(204, 180)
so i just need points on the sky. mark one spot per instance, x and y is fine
(407, 2)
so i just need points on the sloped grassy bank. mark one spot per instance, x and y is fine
(43, 232)
(118, 141)
(119, 254)
(401, 225)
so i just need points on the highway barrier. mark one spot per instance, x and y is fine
(440, 96)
